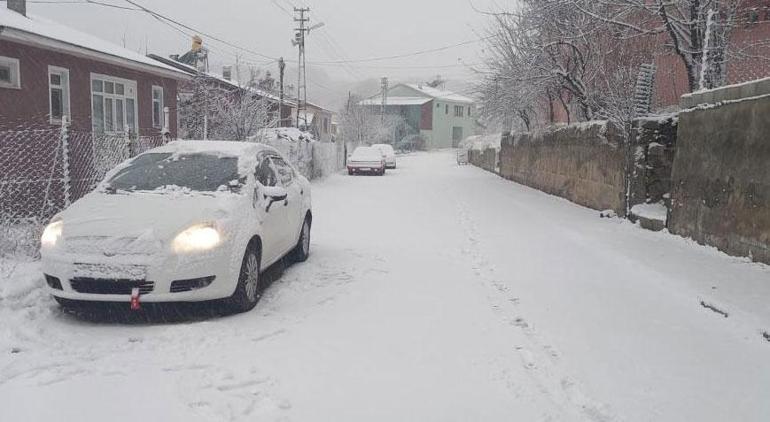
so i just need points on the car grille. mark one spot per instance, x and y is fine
(104, 286)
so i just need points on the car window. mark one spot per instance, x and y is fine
(157, 171)
(284, 170)
(265, 174)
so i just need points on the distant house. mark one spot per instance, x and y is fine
(442, 118)
(49, 72)
(316, 120)
(71, 107)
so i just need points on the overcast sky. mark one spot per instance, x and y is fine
(355, 29)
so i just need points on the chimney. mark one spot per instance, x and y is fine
(227, 72)
(18, 6)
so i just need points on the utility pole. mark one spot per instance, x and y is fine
(299, 40)
(384, 82)
(281, 72)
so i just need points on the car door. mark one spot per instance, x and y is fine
(290, 182)
(274, 220)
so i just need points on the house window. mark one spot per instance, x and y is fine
(446, 109)
(58, 93)
(459, 111)
(438, 105)
(9, 73)
(157, 107)
(113, 103)
(469, 111)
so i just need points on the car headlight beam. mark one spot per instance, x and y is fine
(52, 234)
(197, 238)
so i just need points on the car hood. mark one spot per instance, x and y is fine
(143, 215)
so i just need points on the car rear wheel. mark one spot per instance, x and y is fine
(249, 289)
(302, 250)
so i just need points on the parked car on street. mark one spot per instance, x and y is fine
(366, 160)
(389, 153)
(191, 221)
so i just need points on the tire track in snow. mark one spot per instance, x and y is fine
(539, 359)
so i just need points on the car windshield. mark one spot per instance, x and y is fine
(367, 154)
(197, 172)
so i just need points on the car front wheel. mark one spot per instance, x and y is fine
(302, 250)
(249, 291)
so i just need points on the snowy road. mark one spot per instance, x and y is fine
(436, 293)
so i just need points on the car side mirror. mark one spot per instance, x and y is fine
(274, 194)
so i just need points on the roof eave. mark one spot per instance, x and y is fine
(36, 40)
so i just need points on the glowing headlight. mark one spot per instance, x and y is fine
(197, 238)
(51, 234)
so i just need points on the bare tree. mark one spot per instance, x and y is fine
(224, 111)
(698, 31)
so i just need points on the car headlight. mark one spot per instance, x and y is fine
(197, 238)
(52, 234)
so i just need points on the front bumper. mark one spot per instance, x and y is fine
(366, 167)
(155, 274)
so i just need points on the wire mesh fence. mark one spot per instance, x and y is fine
(42, 171)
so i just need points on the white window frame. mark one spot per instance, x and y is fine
(127, 83)
(13, 63)
(65, 87)
(161, 115)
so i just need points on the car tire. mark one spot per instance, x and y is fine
(350, 172)
(301, 252)
(249, 289)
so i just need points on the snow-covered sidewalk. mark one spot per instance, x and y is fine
(436, 293)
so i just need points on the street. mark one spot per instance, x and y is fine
(436, 293)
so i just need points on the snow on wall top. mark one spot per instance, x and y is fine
(441, 94)
(42, 27)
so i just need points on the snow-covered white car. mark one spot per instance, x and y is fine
(389, 153)
(191, 221)
(366, 160)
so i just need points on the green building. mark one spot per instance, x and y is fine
(442, 118)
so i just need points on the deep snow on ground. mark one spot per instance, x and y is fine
(436, 293)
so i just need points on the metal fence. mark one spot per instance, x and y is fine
(42, 171)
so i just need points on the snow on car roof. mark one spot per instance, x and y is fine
(222, 147)
(36, 25)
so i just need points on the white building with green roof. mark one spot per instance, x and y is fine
(442, 118)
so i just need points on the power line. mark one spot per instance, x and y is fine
(400, 56)
(207, 35)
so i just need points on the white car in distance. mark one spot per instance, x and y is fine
(366, 160)
(191, 221)
(389, 153)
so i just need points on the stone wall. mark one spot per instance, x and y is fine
(486, 159)
(584, 163)
(721, 173)
(653, 149)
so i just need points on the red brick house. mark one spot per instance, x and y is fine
(111, 98)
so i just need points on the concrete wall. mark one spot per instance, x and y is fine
(721, 173)
(584, 163)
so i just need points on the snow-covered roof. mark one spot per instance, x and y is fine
(441, 94)
(38, 31)
(396, 101)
